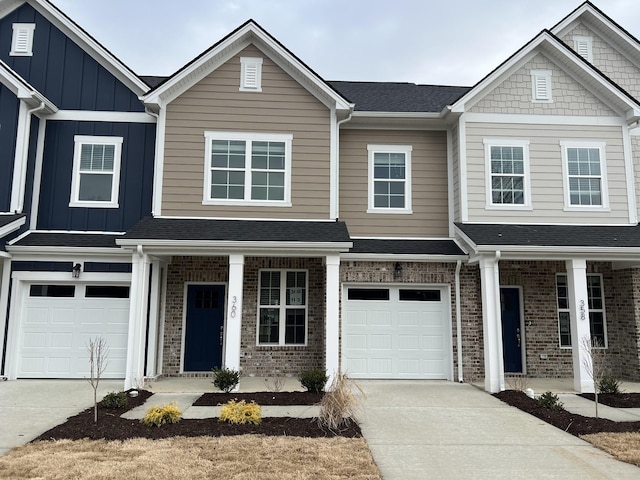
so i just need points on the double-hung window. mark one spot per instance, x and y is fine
(584, 170)
(247, 168)
(282, 307)
(507, 173)
(597, 318)
(96, 171)
(389, 178)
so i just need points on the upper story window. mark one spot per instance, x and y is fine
(282, 307)
(22, 39)
(389, 178)
(584, 170)
(597, 318)
(250, 74)
(96, 172)
(247, 168)
(541, 86)
(584, 47)
(507, 173)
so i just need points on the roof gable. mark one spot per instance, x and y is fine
(78, 35)
(563, 56)
(23, 90)
(227, 48)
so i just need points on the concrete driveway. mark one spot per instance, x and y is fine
(30, 407)
(444, 430)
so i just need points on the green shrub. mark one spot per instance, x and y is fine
(158, 416)
(314, 380)
(550, 400)
(241, 412)
(114, 400)
(609, 384)
(226, 379)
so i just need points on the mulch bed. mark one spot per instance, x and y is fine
(261, 398)
(569, 422)
(618, 400)
(111, 426)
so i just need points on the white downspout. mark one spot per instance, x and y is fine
(25, 155)
(458, 320)
(336, 214)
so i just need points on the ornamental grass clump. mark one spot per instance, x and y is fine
(241, 412)
(162, 415)
(341, 403)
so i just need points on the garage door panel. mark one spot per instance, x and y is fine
(400, 338)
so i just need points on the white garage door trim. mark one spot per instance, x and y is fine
(22, 282)
(427, 352)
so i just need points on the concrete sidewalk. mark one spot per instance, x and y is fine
(444, 430)
(576, 404)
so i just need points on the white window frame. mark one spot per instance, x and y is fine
(20, 31)
(282, 307)
(604, 192)
(250, 74)
(584, 47)
(406, 150)
(541, 78)
(248, 138)
(507, 142)
(595, 310)
(115, 180)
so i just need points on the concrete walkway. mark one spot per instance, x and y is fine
(444, 430)
(29, 408)
(576, 404)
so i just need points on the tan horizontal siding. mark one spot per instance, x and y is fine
(216, 104)
(429, 184)
(547, 181)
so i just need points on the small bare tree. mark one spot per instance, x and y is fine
(98, 355)
(595, 363)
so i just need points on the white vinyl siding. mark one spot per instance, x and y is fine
(247, 168)
(389, 178)
(22, 39)
(96, 172)
(250, 74)
(541, 86)
(507, 171)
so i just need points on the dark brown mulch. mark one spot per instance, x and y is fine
(618, 400)
(569, 422)
(261, 398)
(111, 426)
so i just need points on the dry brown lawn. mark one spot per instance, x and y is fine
(623, 446)
(246, 457)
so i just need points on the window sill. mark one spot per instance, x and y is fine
(281, 347)
(528, 208)
(390, 211)
(93, 205)
(587, 208)
(246, 203)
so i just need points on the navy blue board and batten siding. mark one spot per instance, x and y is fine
(136, 177)
(61, 70)
(9, 108)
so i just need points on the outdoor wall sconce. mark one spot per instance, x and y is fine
(77, 268)
(397, 270)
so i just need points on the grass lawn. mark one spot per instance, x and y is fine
(245, 457)
(624, 446)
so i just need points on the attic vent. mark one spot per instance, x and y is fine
(250, 74)
(583, 45)
(541, 85)
(22, 40)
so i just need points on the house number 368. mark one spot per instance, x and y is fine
(583, 315)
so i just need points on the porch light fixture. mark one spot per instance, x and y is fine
(397, 270)
(77, 268)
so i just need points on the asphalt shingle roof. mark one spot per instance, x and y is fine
(238, 230)
(553, 235)
(406, 247)
(398, 97)
(83, 240)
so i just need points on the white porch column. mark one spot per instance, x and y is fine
(332, 325)
(233, 328)
(491, 325)
(5, 278)
(138, 302)
(154, 299)
(580, 330)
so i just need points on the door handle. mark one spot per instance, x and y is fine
(221, 334)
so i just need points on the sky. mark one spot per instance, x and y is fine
(439, 42)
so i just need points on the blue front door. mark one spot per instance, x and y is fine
(511, 330)
(204, 324)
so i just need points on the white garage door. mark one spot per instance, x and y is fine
(57, 323)
(396, 332)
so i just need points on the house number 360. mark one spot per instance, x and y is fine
(583, 315)
(234, 307)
